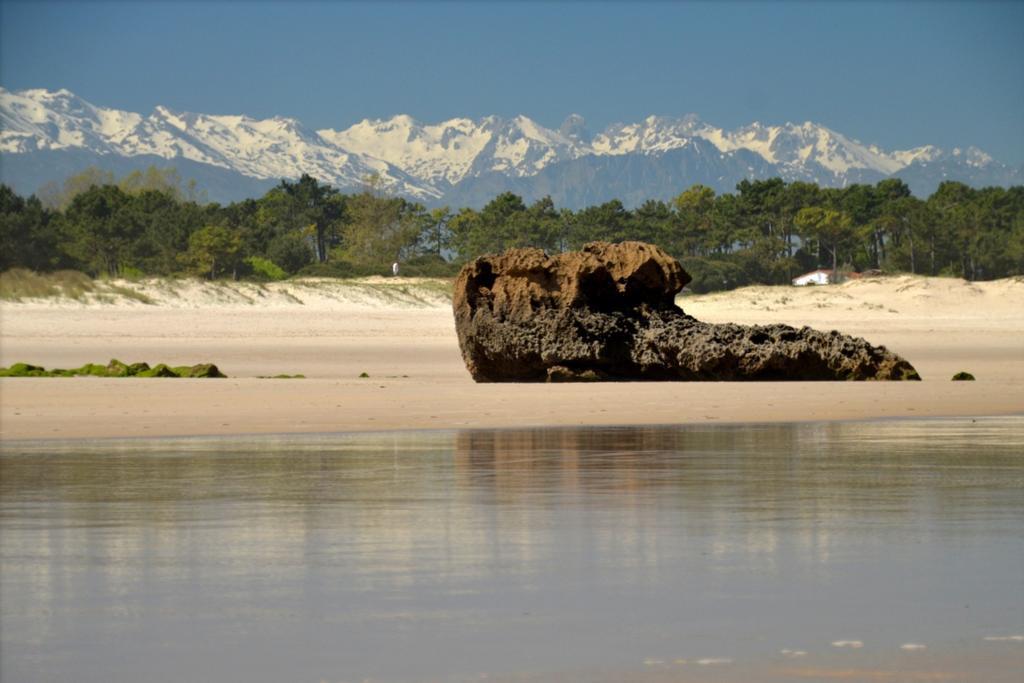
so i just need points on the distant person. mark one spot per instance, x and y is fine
(394, 269)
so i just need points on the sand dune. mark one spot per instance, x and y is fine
(400, 332)
(367, 292)
(902, 298)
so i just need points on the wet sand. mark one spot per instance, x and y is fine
(417, 379)
(849, 551)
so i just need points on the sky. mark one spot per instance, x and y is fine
(898, 75)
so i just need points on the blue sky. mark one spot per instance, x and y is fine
(899, 75)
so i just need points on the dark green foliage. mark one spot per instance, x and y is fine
(712, 274)
(28, 234)
(213, 250)
(426, 265)
(363, 375)
(101, 230)
(506, 223)
(963, 377)
(342, 269)
(290, 251)
(429, 265)
(315, 206)
(767, 232)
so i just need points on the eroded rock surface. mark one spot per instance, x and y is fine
(608, 312)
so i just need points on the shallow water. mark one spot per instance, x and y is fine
(854, 551)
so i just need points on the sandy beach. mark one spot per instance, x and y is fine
(400, 333)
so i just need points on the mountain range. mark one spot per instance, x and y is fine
(48, 135)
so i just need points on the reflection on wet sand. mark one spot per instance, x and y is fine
(597, 551)
(808, 482)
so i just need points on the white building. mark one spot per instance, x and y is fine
(815, 277)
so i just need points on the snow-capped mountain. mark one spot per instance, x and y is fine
(39, 120)
(805, 151)
(447, 152)
(461, 161)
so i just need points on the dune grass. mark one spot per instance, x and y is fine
(20, 283)
(17, 284)
(127, 293)
(419, 291)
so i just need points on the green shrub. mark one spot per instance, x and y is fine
(428, 265)
(421, 266)
(265, 269)
(963, 377)
(131, 273)
(711, 275)
(341, 269)
(290, 252)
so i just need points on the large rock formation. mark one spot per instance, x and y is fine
(608, 312)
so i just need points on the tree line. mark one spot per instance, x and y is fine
(767, 231)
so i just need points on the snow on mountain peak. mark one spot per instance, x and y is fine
(423, 160)
(448, 151)
(278, 147)
(654, 135)
(798, 147)
(441, 152)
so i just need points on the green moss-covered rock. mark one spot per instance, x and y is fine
(203, 370)
(136, 369)
(23, 370)
(91, 370)
(963, 377)
(116, 368)
(159, 370)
